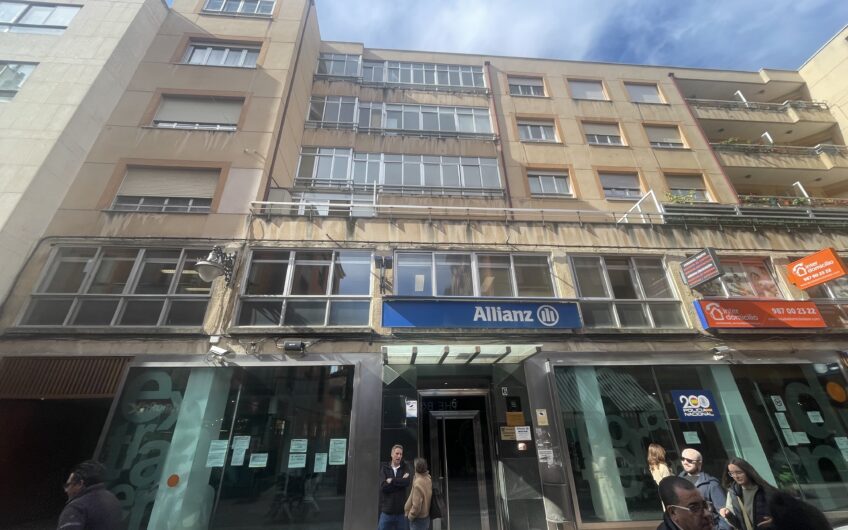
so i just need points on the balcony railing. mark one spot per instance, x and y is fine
(791, 150)
(754, 105)
(350, 186)
(400, 132)
(792, 202)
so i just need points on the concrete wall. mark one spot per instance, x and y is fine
(825, 74)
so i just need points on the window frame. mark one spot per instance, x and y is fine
(595, 139)
(9, 94)
(528, 126)
(125, 296)
(196, 126)
(697, 194)
(286, 294)
(205, 9)
(49, 29)
(665, 145)
(330, 58)
(660, 99)
(742, 261)
(626, 196)
(531, 174)
(243, 49)
(525, 89)
(604, 92)
(195, 205)
(459, 72)
(638, 286)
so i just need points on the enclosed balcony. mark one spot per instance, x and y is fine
(787, 122)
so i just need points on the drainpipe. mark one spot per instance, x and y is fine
(493, 108)
(704, 136)
(279, 138)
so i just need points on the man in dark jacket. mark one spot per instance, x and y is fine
(90, 505)
(394, 479)
(685, 508)
(708, 485)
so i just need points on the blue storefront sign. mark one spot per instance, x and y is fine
(480, 314)
(695, 405)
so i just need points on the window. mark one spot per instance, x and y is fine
(451, 120)
(742, 278)
(332, 110)
(832, 300)
(473, 274)
(587, 90)
(548, 184)
(263, 8)
(625, 292)
(643, 93)
(12, 77)
(602, 133)
(168, 190)
(221, 54)
(621, 186)
(664, 136)
(338, 64)
(690, 187)
(423, 74)
(23, 17)
(324, 165)
(117, 286)
(312, 288)
(198, 112)
(537, 131)
(526, 86)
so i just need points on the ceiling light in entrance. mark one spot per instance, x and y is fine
(458, 354)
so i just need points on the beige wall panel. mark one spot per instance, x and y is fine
(261, 115)
(675, 159)
(585, 109)
(354, 48)
(284, 30)
(280, 56)
(130, 109)
(612, 156)
(163, 48)
(260, 82)
(88, 186)
(240, 189)
(544, 153)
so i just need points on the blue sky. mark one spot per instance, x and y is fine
(728, 34)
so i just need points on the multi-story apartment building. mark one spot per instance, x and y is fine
(488, 260)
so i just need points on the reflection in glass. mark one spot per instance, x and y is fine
(95, 312)
(413, 274)
(453, 275)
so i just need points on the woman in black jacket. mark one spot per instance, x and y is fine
(747, 504)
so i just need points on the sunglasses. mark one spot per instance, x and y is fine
(690, 460)
(695, 508)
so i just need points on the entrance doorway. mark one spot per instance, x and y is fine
(455, 440)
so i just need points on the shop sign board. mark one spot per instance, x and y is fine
(701, 268)
(753, 314)
(815, 269)
(695, 405)
(480, 314)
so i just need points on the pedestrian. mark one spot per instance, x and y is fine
(394, 479)
(90, 505)
(685, 508)
(789, 513)
(708, 485)
(657, 463)
(747, 505)
(417, 506)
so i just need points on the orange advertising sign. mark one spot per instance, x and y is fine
(815, 269)
(752, 314)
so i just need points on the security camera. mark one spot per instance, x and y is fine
(721, 353)
(218, 351)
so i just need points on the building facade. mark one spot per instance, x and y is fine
(523, 270)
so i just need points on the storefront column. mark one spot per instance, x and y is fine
(188, 504)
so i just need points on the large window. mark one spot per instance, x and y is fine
(25, 17)
(338, 64)
(537, 130)
(742, 278)
(526, 86)
(154, 189)
(602, 133)
(333, 110)
(423, 74)
(221, 54)
(313, 288)
(117, 287)
(643, 93)
(207, 113)
(621, 185)
(587, 89)
(327, 166)
(262, 8)
(12, 77)
(625, 292)
(441, 119)
(553, 184)
(473, 274)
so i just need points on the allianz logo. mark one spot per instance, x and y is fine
(545, 314)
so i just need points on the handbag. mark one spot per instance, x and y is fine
(437, 504)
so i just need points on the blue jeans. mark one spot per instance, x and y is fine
(392, 522)
(420, 524)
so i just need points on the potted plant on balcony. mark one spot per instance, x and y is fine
(685, 198)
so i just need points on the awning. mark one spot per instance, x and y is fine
(459, 354)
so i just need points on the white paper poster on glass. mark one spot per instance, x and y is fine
(779, 405)
(298, 445)
(240, 446)
(523, 434)
(801, 437)
(691, 437)
(338, 451)
(297, 460)
(411, 408)
(815, 416)
(789, 436)
(258, 460)
(217, 453)
(320, 463)
(781, 420)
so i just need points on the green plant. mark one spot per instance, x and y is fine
(675, 198)
(735, 140)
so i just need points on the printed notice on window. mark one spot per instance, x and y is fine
(240, 446)
(297, 460)
(298, 445)
(789, 436)
(801, 437)
(815, 416)
(320, 465)
(523, 434)
(781, 420)
(217, 453)
(338, 451)
(258, 460)
(778, 403)
(419, 283)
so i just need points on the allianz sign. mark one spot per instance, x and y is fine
(442, 313)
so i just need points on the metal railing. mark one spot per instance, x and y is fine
(755, 105)
(792, 150)
(645, 210)
(778, 201)
(386, 131)
(347, 186)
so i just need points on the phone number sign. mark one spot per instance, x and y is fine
(753, 314)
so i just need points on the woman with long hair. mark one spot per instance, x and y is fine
(417, 508)
(747, 497)
(656, 462)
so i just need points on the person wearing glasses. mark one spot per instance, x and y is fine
(90, 505)
(747, 493)
(685, 508)
(708, 485)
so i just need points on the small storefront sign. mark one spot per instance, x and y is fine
(815, 269)
(701, 268)
(695, 405)
(750, 314)
(480, 314)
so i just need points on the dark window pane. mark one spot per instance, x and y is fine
(352, 274)
(653, 278)
(667, 315)
(413, 275)
(266, 278)
(597, 315)
(186, 313)
(305, 312)
(349, 313)
(95, 312)
(622, 284)
(590, 277)
(495, 277)
(532, 276)
(47, 312)
(260, 313)
(68, 275)
(632, 316)
(453, 275)
(113, 271)
(157, 271)
(310, 278)
(142, 312)
(189, 281)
